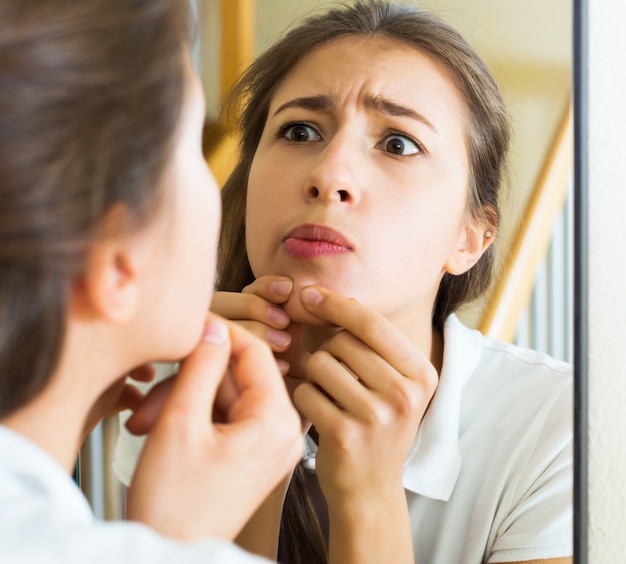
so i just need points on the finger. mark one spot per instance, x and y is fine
(147, 411)
(372, 328)
(254, 372)
(315, 407)
(227, 394)
(275, 289)
(143, 373)
(361, 362)
(337, 381)
(278, 340)
(130, 398)
(247, 306)
(201, 373)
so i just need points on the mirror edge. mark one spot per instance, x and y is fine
(580, 279)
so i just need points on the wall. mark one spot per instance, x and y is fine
(607, 267)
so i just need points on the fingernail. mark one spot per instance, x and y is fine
(278, 316)
(282, 287)
(279, 338)
(215, 332)
(311, 296)
(283, 366)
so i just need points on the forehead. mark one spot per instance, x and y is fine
(357, 67)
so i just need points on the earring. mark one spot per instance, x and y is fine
(488, 234)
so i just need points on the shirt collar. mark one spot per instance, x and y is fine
(434, 461)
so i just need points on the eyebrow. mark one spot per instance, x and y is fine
(315, 103)
(376, 103)
(390, 108)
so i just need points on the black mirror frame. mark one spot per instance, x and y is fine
(580, 78)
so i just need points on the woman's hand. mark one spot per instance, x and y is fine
(367, 390)
(197, 477)
(258, 309)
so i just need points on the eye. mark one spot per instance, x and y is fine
(299, 133)
(399, 144)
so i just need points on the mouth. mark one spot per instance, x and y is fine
(311, 241)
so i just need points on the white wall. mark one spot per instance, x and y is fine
(607, 289)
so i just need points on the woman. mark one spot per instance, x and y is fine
(106, 205)
(360, 216)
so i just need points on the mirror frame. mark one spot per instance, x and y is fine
(580, 82)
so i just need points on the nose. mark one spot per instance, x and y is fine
(334, 178)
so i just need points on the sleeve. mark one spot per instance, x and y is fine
(539, 525)
(128, 447)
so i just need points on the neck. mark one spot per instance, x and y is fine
(56, 419)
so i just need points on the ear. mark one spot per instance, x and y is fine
(474, 239)
(110, 283)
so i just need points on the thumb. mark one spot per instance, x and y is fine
(201, 372)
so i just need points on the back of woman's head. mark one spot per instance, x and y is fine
(487, 128)
(90, 97)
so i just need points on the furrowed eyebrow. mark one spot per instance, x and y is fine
(379, 104)
(385, 106)
(315, 103)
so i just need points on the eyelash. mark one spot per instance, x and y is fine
(421, 150)
(282, 130)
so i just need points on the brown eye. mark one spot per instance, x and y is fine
(400, 145)
(301, 133)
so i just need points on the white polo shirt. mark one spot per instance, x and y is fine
(44, 518)
(490, 475)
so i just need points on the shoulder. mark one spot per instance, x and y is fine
(524, 360)
(500, 369)
(512, 393)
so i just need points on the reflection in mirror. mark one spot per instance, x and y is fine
(497, 415)
(534, 73)
(535, 78)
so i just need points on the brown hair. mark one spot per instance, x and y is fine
(487, 137)
(90, 98)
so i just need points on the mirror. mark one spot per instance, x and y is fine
(529, 48)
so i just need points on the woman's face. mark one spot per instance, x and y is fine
(359, 182)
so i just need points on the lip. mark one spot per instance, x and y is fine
(311, 241)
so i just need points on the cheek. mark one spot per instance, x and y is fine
(200, 243)
(263, 205)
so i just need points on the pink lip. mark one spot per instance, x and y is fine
(310, 241)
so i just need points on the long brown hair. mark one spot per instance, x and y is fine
(487, 138)
(90, 98)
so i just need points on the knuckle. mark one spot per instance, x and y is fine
(423, 373)
(319, 361)
(429, 380)
(405, 401)
(344, 436)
